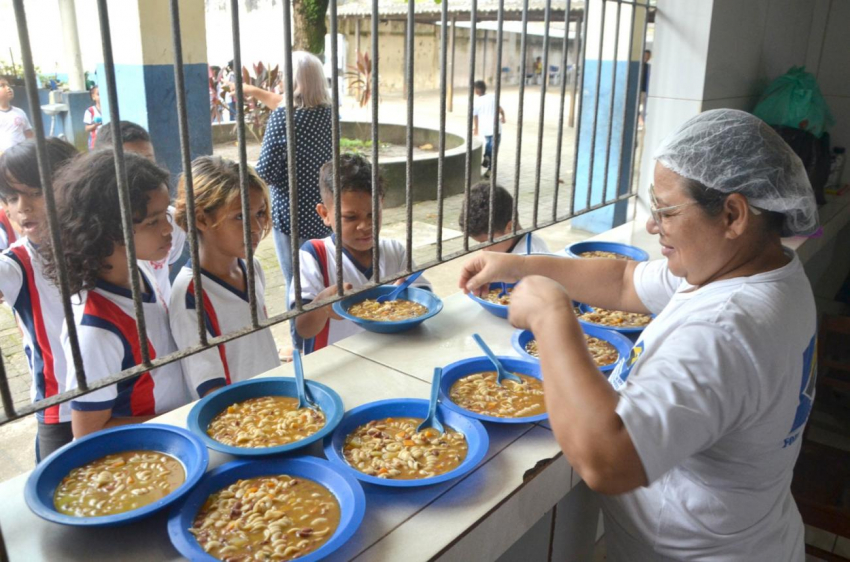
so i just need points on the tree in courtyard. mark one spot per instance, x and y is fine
(310, 28)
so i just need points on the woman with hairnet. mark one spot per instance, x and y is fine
(692, 441)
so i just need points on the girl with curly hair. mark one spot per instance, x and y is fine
(96, 264)
(222, 253)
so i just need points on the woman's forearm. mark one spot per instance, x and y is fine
(582, 408)
(605, 283)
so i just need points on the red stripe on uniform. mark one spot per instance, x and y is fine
(321, 339)
(212, 318)
(51, 384)
(142, 401)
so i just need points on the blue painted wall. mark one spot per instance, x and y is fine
(68, 124)
(147, 97)
(619, 161)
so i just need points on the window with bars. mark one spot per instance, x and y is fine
(599, 123)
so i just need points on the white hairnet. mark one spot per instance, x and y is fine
(735, 152)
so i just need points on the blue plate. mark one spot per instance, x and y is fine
(426, 298)
(499, 310)
(632, 252)
(171, 440)
(347, 490)
(211, 405)
(623, 344)
(476, 438)
(453, 372)
(629, 330)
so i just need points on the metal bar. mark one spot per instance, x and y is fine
(451, 104)
(408, 175)
(376, 208)
(5, 391)
(582, 49)
(523, 53)
(294, 231)
(183, 124)
(494, 156)
(626, 104)
(340, 282)
(560, 142)
(611, 107)
(592, 154)
(46, 179)
(121, 177)
(470, 105)
(542, 111)
(640, 77)
(243, 172)
(441, 157)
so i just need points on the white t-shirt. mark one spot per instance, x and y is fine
(227, 310)
(316, 265)
(715, 397)
(161, 269)
(109, 343)
(38, 309)
(13, 125)
(89, 117)
(530, 244)
(484, 107)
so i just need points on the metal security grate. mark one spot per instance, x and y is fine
(574, 12)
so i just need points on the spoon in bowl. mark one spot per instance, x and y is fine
(502, 374)
(432, 422)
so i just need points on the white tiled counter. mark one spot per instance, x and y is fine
(476, 517)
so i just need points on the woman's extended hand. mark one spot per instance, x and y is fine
(490, 267)
(535, 298)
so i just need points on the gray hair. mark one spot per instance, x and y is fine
(310, 88)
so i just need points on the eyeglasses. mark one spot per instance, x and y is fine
(660, 213)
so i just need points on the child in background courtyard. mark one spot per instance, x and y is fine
(15, 128)
(221, 248)
(36, 301)
(96, 264)
(92, 118)
(484, 112)
(322, 327)
(136, 139)
(479, 221)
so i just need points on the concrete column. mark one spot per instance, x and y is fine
(597, 117)
(450, 102)
(71, 39)
(144, 69)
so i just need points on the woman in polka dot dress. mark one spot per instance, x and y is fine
(313, 147)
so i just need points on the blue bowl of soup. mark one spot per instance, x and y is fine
(476, 438)
(584, 308)
(621, 343)
(216, 402)
(459, 369)
(420, 296)
(500, 310)
(144, 438)
(631, 252)
(345, 489)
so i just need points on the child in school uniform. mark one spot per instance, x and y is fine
(92, 118)
(221, 248)
(503, 205)
(15, 127)
(322, 327)
(94, 257)
(136, 139)
(36, 301)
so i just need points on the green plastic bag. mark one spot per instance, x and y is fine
(795, 100)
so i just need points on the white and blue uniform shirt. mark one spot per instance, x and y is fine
(715, 397)
(109, 343)
(38, 307)
(529, 244)
(318, 271)
(227, 310)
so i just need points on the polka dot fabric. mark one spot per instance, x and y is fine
(313, 147)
